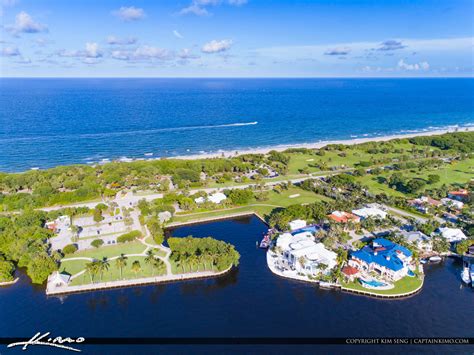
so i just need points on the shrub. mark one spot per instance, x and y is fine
(128, 237)
(97, 243)
(70, 249)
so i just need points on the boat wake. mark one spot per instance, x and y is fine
(127, 133)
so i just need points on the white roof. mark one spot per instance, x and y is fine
(199, 200)
(451, 202)
(284, 241)
(217, 197)
(317, 253)
(452, 234)
(297, 224)
(370, 212)
(60, 278)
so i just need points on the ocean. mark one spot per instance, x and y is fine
(50, 122)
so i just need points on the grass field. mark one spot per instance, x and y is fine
(458, 173)
(111, 250)
(262, 208)
(113, 273)
(405, 285)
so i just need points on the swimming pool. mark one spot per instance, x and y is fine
(372, 283)
(410, 273)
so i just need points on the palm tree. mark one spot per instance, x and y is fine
(193, 261)
(136, 267)
(121, 262)
(158, 264)
(103, 266)
(92, 269)
(150, 258)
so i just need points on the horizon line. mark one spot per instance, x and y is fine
(236, 77)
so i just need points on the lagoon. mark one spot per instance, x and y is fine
(249, 301)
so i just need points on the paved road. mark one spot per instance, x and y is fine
(411, 215)
(130, 199)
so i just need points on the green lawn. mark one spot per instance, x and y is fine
(263, 208)
(404, 285)
(450, 174)
(73, 267)
(110, 250)
(113, 273)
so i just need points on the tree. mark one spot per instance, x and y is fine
(158, 265)
(155, 229)
(92, 269)
(96, 243)
(70, 249)
(103, 266)
(150, 258)
(121, 262)
(136, 267)
(98, 215)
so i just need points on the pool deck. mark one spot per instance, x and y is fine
(52, 289)
(294, 276)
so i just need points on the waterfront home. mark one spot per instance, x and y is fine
(452, 235)
(217, 197)
(424, 203)
(297, 224)
(460, 195)
(350, 273)
(303, 254)
(384, 257)
(373, 212)
(458, 205)
(419, 239)
(343, 217)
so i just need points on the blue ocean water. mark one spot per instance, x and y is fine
(49, 122)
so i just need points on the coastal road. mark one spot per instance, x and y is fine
(129, 199)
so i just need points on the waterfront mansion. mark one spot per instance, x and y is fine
(302, 254)
(384, 257)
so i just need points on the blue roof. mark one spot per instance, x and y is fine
(386, 255)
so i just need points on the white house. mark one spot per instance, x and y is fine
(199, 200)
(217, 197)
(373, 212)
(452, 203)
(421, 240)
(297, 224)
(452, 235)
(305, 255)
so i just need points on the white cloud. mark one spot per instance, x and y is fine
(129, 13)
(198, 7)
(92, 51)
(24, 23)
(10, 52)
(195, 10)
(177, 34)
(413, 67)
(186, 53)
(143, 53)
(121, 41)
(217, 46)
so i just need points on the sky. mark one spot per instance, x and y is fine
(237, 38)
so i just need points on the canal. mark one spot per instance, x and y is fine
(249, 301)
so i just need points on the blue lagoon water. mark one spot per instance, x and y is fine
(49, 122)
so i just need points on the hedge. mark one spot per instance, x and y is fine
(128, 237)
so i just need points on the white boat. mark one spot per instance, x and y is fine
(148, 154)
(465, 275)
(423, 261)
(435, 259)
(472, 275)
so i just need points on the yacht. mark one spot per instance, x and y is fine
(465, 273)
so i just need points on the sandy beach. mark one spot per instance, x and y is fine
(320, 144)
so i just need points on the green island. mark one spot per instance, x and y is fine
(103, 223)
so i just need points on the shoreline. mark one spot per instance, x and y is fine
(317, 145)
